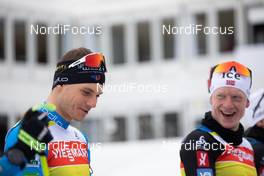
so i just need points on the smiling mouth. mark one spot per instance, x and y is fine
(228, 114)
(86, 111)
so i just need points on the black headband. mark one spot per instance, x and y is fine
(80, 71)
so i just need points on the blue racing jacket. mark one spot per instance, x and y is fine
(67, 154)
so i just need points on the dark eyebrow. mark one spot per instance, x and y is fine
(91, 90)
(88, 89)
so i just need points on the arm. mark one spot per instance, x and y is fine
(6, 168)
(18, 148)
(259, 157)
(197, 156)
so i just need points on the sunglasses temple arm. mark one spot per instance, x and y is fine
(77, 62)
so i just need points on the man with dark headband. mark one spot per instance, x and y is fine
(217, 146)
(74, 93)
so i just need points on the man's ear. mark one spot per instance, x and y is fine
(248, 103)
(57, 89)
(210, 99)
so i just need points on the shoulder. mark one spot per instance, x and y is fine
(253, 141)
(199, 150)
(249, 142)
(258, 147)
(198, 135)
(78, 133)
(199, 140)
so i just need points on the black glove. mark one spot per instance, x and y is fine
(33, 132)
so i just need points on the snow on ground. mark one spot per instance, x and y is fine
(140, 158)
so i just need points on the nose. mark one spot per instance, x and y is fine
(228, 103)
(92, 101)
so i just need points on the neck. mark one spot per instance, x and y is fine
(52, 100)
(235, 128)
(230, 136)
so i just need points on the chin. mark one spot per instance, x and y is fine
(80, 118)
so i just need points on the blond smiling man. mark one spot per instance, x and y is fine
(218, 146)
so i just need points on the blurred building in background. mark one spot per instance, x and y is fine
(157, 65)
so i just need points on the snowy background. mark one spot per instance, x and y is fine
(153, 157)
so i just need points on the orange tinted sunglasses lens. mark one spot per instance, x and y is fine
(226, 67)
(94, 60)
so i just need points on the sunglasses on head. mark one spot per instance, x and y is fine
(94, 60)
(227, 67)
